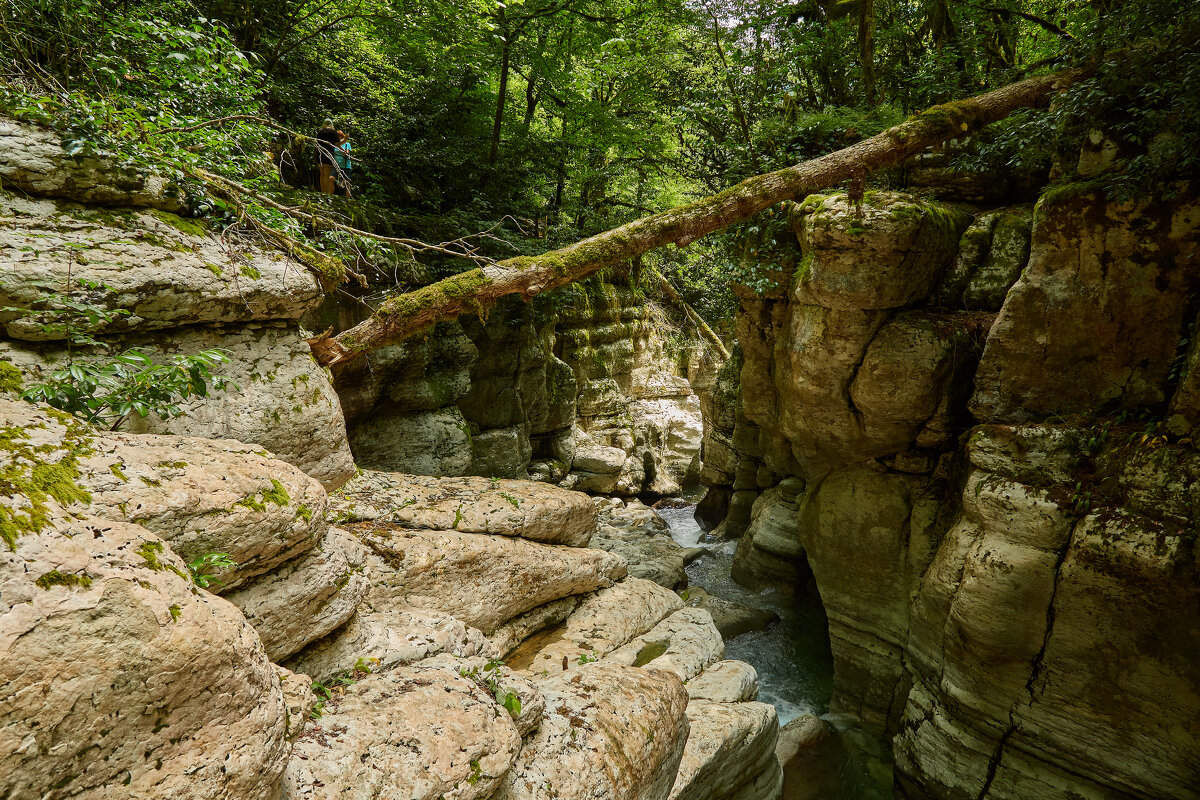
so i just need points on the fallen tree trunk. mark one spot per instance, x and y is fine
(476, 290)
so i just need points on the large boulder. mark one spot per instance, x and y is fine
(684, 643)
(420, 732)
(483, 580)
(526, 509)
(609, 733)
(280, 399)
(602, 623)
(908, 242)
(386, 638)
(730, 753)
(151, 269)
(120, 679)
(306, 598)
(200, 495)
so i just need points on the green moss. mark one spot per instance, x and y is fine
(175, 612)
(276, 494)
(150, 551)
(67, 579)
(150, 481)
(172, 464)
(191, 227)
(649, 652)
(214, 269)
(304, 512)
(250, 272)
(29, 475)
(10, 377)
(804, 269)
(948, 119)
(115, 469)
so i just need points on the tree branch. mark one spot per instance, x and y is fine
(403, 315)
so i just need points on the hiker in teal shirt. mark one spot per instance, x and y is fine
(344, 163)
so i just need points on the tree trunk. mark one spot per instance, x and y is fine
(866, 48)
(505, 56)
(476, 290)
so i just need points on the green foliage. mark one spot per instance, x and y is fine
(490, 677)
(108, 392)
(203, 569)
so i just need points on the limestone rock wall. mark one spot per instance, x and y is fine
(588, 396)
(973, 429)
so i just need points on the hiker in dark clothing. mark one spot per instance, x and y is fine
(327, 147)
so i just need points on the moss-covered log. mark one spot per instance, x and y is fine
(403, 315)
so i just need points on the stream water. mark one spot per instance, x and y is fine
(795, 672)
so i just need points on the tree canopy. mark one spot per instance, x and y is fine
(547, 121)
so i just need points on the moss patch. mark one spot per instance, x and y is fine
(191, 227)
(150, 552)
(115, 469)
(276, 494)
(28, 475)
(67, 579)
(10, 377)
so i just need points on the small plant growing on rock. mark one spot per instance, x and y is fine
(490, 678)
(202, 568)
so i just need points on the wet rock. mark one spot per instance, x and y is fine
(511, 634)
(770, 552)
(732, 619)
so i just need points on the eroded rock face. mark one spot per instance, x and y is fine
(1096, 318)
(425, 442)
(306, 598)
(725, 682)
(470, 505)
(730, 753)
(121, 681)
(628, 746)
(1045, 684)
(163, 270)
(483, 580)
(422, 731)
(684, 644)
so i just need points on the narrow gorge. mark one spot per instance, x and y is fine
(893, 493)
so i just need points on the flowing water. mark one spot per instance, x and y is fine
(795, 671)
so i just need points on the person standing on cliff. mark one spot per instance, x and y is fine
(327, 146)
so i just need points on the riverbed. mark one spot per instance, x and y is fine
(795, 670)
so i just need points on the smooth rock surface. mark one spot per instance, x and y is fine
(527, 509)
(730, 745)
(483, 580)
(725, 682)
(684, 643)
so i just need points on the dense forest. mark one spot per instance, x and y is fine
(526, 126)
